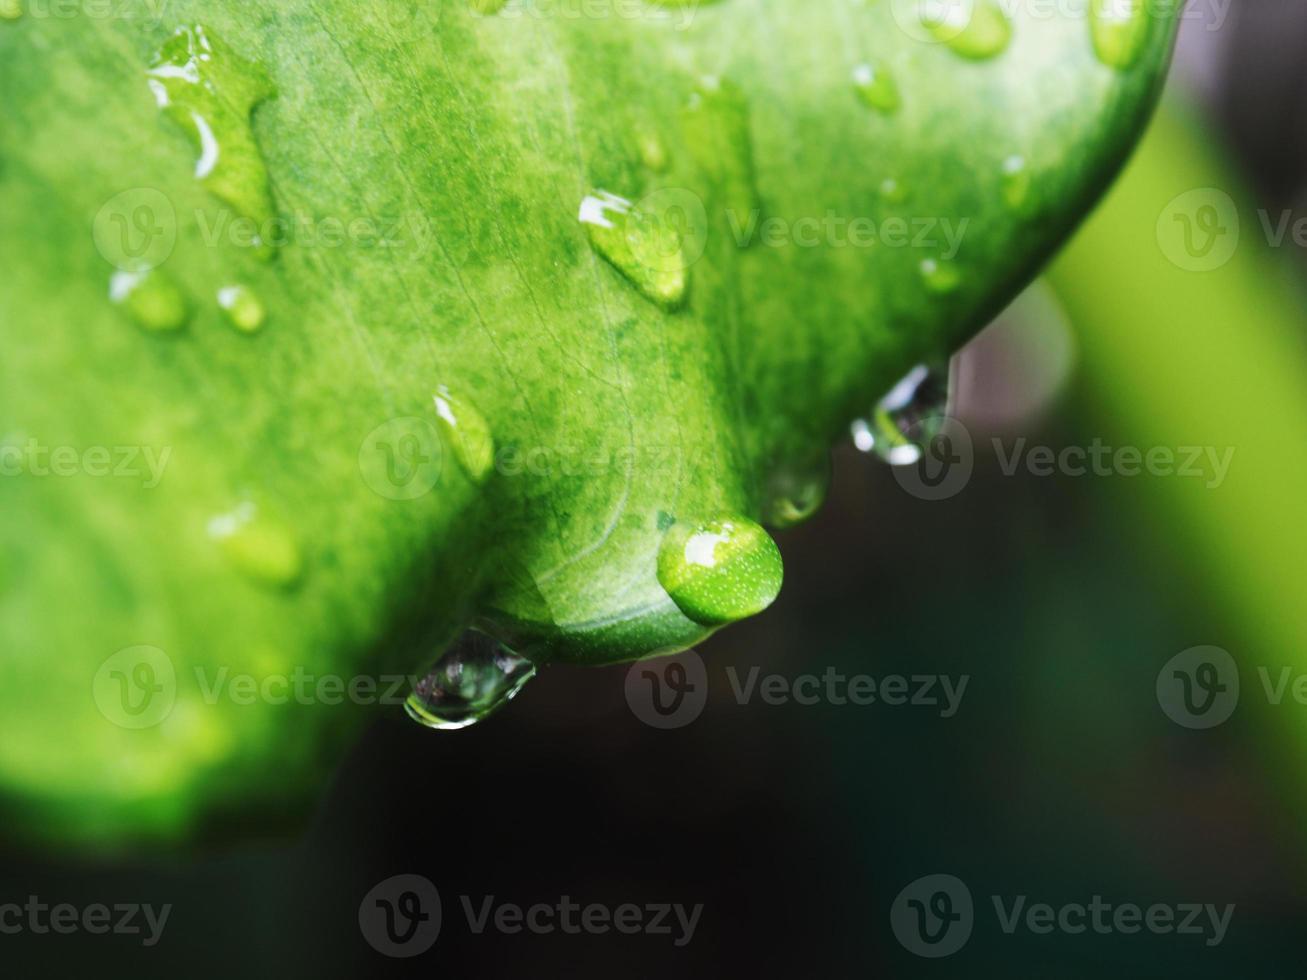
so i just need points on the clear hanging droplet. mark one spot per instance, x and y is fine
(877, 89)
(466, 432)
(1119, 30)
(907, 419)
(795, 492)
(1016, 182)
(151, 298)
(258, 546)
(210, 91)
(475, 677)
(975, 29)
(244, 309)
(719, 571)
(645, 248)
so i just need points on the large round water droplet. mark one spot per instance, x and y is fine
(721, 570)
(1119, 29)
(876, 88)
(467, 432)
(976, 29)
(476, 676)
(908, 418)
(151, 298)
(644, 247)
(259, 546)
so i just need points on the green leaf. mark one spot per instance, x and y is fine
(315, 277)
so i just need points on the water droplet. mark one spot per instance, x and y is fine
(151, 298)
(876, 88)
(716, 125)
(259, 546)
(465, 431)
(976, 29)
(475, 677)
(210, 91)
(721, 570)
(893, 191)
(646, 248)
(1119, 29)
(908, 418)
(11, 9)
(940, 276)
(1016, 181)
(653, 151)
(243, 308)
(796, 492)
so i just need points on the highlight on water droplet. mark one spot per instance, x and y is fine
(975, 29)
(1016, 181)
(474, 677)
(794, 492)
(466, 432)
(645, 247)
(940, 276)
(211, 92)
(151, 298)
(721, 570)
(243, 308)
(905, 421)
(259, 546)
(1119, 31)
(876, 88)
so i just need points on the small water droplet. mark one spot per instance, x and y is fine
(11, 9)
(1016, 181)
(893, 191)
(796, 492)
(653, 151)
(243, 308)
(210, 91)
(466, 432)
(876, 88)
(259, 546)
(475, 677)
(1119, 29)
(940, 276)
(721, 570)
(151, 298)
(908, 418)
(975, 29)
(645, 248)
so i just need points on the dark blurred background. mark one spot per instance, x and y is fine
(796, 826)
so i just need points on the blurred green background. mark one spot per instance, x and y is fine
(1060, 598)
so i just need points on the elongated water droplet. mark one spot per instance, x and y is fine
(645, 248)
(908, 418)
(151, 298)
(716, 125)
(259, 546)
(893, 190)
(721, 570)
(210, 91)
(1016, 182)
(243, 308)
(940, 276)
(653, 151)
(466, 432)
(476, 676)
(976, 29)
(876, 88)
(795, 492)
(11, 9)
(1119, 29)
